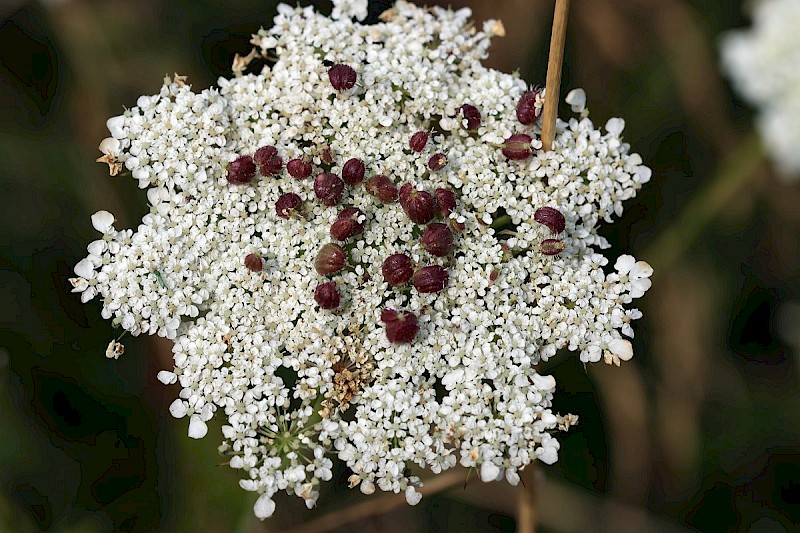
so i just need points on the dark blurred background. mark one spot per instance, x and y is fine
(699, 432)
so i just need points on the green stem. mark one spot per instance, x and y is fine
(706, 204)
(501, 222)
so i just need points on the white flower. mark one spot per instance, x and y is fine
(114, 350)
(637, 273)
(345, 9)
(576, 98)
(763, 64)
(218, 268)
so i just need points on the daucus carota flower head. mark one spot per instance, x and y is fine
(764, 64)
(410, 330)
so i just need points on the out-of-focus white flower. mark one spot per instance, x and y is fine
(345, 9)
(764, 64)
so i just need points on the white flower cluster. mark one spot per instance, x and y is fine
(450, 376)
(764, 63)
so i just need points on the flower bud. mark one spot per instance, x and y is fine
(330, 259)
(382, 188)
(397, 269)
(353, 171)
(437, 161)
(446, 199)
(347, 224)
(551, 246)
(241, 170)
(342, 77)
(550, 217)
(437, 239)
(401, 326)
(298, 169)
(518, 146)
(329, 188)
(431, 278)
(418, 141)
(287, 204)
(327, 295)
(472, 116)
(526, 108)
(254, 262)
(420, 206)
(268, 161)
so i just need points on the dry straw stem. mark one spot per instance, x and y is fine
(553, 84)
(526, 500)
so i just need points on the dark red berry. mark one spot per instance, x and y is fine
(382, 188)
(437, 239)
(330, 259)
(551, 246)
(287, 204)
(342, 77)
(437, 161)
(397, 269)
(268, 161)
(518, 146)
(401, 326)
(550, 217)
(420, 206)
(298, 169)
(327, 295)
(350, 222)
(241, 170)
(446, 199)
(254, 262)
(431, 278)
(329, 188)
(471, 115)
(418, 141)
(353, 171)
(526, 108)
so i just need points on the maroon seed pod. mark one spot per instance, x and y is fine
(342, 77)
(526, 108)
(518, 146)
(397, 269)
(287, 204)
(437, 161)
(446, 199)
(472, 116)
(550, 217)
(353, 171)
(298, 169)
(347, 224)
(401, 326)
(418, 141)
(382, 188)
(254, 262)
(551, 246)
(420, 206)
(330, 259)
(327, 295)
(326, 156)
(241, 170)
(268, 161)
(431, 278)
(437, 239)
(329, 188)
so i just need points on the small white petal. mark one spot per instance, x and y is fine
(264, 507)
(576, 98)
(412, 496)
(97, 247)
(197, 428)
(85, 269)
(102, 221)
(109, 146)
(621, 348)
(177, 409)
(166, 377)
(115, 125)
(489, 471)
(624, 264)
(614, 126)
